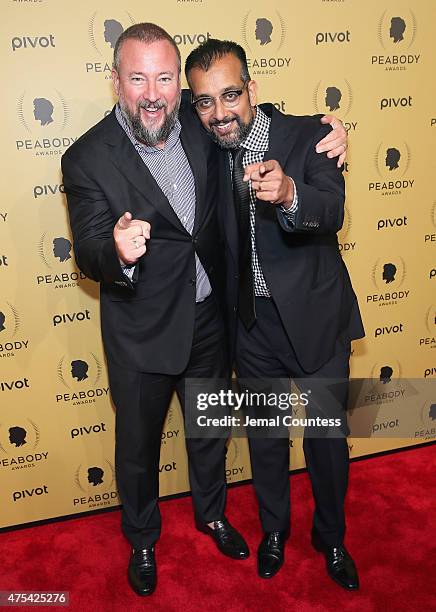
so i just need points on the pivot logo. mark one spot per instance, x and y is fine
(14, 385)
(58, 319)
(335, 95)
(98, 485)
(389, 329)
(47, 190)
(168, 467)
(191, 39)
(401, 102)
(396, 36)
(263, 37)
(19, 441)
(81, 376)
(429, 341)
(10, 324)
(25, 493)
(85, 430)
(45, 113)
(32, 42)
(428, 372)
(104, 32)
(345, 246)
(56, 253)
(430, 236)
(385, 426)
(392, 273)
(392, 161)
(332, 37)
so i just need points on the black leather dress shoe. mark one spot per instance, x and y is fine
(142, 571)
(271, 553)
(228, 540)
(340, 565)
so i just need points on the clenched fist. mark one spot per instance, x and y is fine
(130, 236)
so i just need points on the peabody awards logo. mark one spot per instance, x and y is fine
(97, 483)
(234, 471)
(335, 96)
(388, 278)
(396, 36)
(427, 426)
(391, 161)
(169, 434)
(56, 253)
(104, 32)
(429, 341)
(44, 115)
(10, 323)
(430, 236)
(386, 387)
(346, 246)
(263, 37)
(19, 441)
(80, 374)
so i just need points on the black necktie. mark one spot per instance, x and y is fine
(241, 194)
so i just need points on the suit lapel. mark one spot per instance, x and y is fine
(226, 200)
(197, 160)
(129, 163)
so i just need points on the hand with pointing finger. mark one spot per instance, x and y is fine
(130, 236)
(270, 183)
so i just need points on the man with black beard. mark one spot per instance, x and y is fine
(142, 188)
(291, 308)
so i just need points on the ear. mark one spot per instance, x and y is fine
(252, 92)
(116, 80)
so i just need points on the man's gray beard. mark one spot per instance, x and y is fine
(150, 137)
(243, 130)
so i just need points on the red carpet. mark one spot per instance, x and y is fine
(390, 511)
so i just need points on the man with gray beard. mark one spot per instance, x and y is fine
(141, 188)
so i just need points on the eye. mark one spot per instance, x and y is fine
(231, 96)
(165, 79)
(137, 79)
(204, 103)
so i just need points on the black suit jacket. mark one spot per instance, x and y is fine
(302, 265)
(148, 325)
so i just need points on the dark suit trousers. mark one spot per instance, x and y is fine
(266, 352)
(141, 402)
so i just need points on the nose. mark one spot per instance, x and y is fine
(151, 91)
(220, 110)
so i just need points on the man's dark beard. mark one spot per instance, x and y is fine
(237, 139)
(150, 137)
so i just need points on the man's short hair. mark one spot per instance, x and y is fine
(211, 50)
(146, 33)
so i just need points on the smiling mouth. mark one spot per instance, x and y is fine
(224, 127)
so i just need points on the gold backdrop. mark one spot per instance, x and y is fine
(370, 63)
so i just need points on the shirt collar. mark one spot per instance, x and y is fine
(258, 138)
(169, 144)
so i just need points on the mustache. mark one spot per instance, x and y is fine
(148, 105)
(225, 120)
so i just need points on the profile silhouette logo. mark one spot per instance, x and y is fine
(393, 156)
(43, 110)
(386, 374)
(2, 321)
(17, 436)
(333, 96)
(112, 31)
(263, 32)
(432, 412)
(95, 476)
(397, 29)
(389, 271)
(79, 369)
(62, 249)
